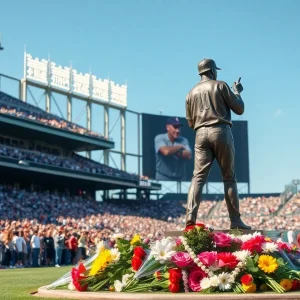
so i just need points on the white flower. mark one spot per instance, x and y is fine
(118, 236)
(256, 233)
(224, 281)
(205, 283)
(71, 286)
(163, 250)
(242, 255)
(115, 254)
(125, 278)
(247, 237)
(101, 246)
(214, 280)
(269, 247)
(214, 266)
(231, 278)
(118, 285)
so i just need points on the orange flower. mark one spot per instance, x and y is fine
(249, 288)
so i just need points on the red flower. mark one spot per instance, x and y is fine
(136, 262)
(174, 287)
(284, 246)
(190, 227)
(246, 279)
(254, 244)
(227, 259)
(175, 275)
(157, 275)
(139, 251)
(295, 285)
(77, 275)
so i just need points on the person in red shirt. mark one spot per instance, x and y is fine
(73, 245)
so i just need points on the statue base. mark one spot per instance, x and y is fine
(66, 294)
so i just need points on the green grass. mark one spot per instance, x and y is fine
(19, 283)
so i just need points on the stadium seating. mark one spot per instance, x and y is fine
(77, 162)
(15, 107)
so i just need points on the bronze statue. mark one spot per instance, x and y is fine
(208, 112)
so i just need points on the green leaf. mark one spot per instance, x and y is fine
(280, 262)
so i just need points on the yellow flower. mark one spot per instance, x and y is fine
(101, 262)
(135, 239)
(249, 288)
(267, 239)
(264, 287)
(286, 284)
(267, 263)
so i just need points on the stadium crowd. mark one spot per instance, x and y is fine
(43, 228)
(17, 108)
(76, 162)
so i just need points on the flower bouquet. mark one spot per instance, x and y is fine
(200, 260)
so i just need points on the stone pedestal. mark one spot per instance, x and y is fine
(65, 294)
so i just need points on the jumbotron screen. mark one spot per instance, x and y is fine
(172, 167)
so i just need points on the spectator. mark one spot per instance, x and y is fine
(82, 243)
(73, 245)
(291, 236)
(49, 248)
(35, 246)
(59, 242)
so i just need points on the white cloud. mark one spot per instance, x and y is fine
(277, 113)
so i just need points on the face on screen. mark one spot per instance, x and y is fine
(173, 131)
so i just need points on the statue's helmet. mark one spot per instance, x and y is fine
(207, 64)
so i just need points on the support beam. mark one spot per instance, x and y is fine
(48, 100)
(106, 133)
(178, 187)
(139, 143)
(69, 108)
(89, 123)
(23, 90)
(123, 140)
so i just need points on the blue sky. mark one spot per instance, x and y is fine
(154, 46)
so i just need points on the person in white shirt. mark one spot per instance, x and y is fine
(291, 236)
(35, 246)
(19, 244)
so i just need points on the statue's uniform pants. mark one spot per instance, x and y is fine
(214, 142)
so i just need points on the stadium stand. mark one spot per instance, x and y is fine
(292, 207)
(15, 107)
(76, 162)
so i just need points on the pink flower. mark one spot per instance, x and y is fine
(208, 258)
(196, 275)
(178, 242)
(222, 239)
(181, 259)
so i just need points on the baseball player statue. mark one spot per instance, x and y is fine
(208, 112)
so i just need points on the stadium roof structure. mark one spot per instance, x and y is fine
(17, 125)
